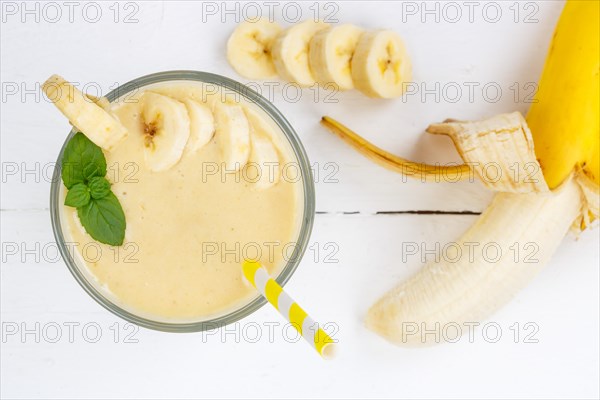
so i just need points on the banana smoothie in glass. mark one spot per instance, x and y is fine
(205, 179)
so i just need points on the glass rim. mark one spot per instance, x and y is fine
(306, 223)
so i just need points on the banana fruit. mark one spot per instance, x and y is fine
(263, 162)
(376, 63)
(166, 130)
(84, 114)
(202, 124)
(263, 169)
(533, 209)
(249, 49)
(233, 135)
(380, 66)
(331, 53)
(290, 52)
(102, 102)
(494, 259)
(574, 124)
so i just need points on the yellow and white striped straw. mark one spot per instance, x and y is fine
(274, 293)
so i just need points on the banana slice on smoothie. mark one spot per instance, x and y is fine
(263, 169)
(290, 52)
(380, 66)
(249, 48)
(102, 102)
(202, 124)
(84, 114)
(330, 55)
(166, 130)
(263, 166)
(233, 135)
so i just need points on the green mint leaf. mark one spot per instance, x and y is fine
(78, 195)
(104, 220)
(99, 187)
(99, 210)
(81, 160)
(90, 171)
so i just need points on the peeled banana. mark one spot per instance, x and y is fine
(494, 259)
(534, 207)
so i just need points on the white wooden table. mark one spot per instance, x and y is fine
(58, 343)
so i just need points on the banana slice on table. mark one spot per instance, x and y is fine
(380, 65)
(330, 55)
(263, 168)
(202, 124)
(166, 130)
(249, 49)
(290, 52)
(233, 135)
(92, 120)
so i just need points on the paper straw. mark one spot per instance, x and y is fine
(274, 293)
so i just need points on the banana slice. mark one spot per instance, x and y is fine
(166, 129)
(98, 125)
(263, 166)
(102, 102)
(249, 49)
(202, 124)
(233, 135)
(330, 55)
(290, 52)
(380, 65)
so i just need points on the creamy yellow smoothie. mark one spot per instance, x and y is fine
(190, 226)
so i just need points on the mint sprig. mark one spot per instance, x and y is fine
(104, 219)
(99, 210)
(78, 195)
(81, 161)
(99, 187)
